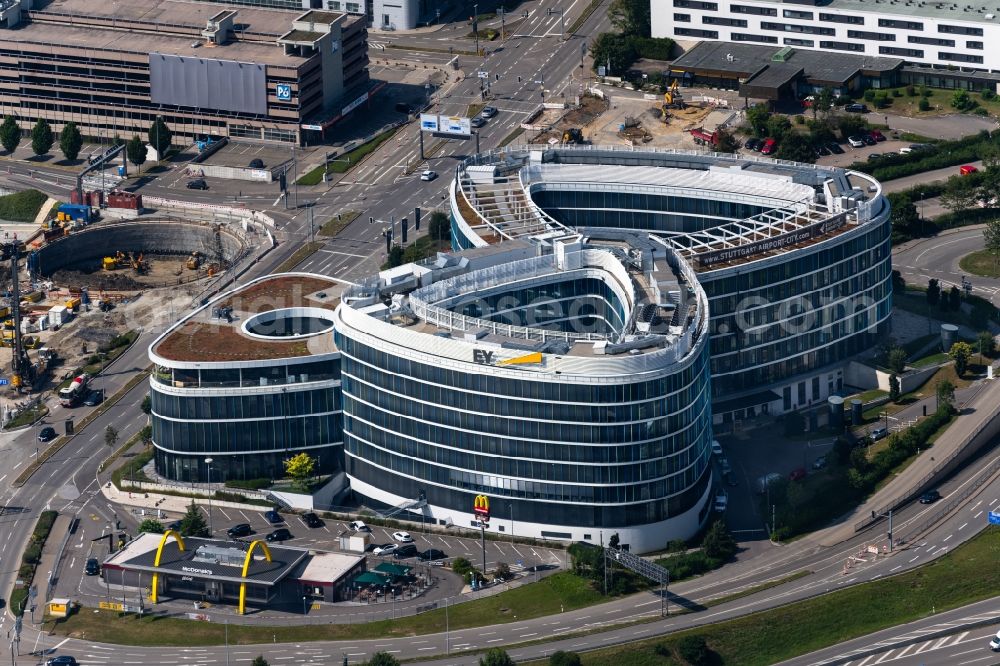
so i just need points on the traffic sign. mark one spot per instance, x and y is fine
(483, 75)
(283, 92)
(994, 518)
(4, 381)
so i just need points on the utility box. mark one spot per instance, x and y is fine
(59, 315)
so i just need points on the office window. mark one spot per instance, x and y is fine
(682, 18)
(842, 46)
(744, 37)
(900, 25)
(696, 4)
(906, 53)
(719, 20)
(960, 30)
(786, 398)
(931, 41)
(974, 45)
(794, 41)
(693, 32)
(756, 11)
(806, 29)
(874, 36)
(815, 388)
(960, 57)
(842, 18)
(801, 393)
(796, 14)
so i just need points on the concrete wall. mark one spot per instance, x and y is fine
(232, 173)
(90, 245)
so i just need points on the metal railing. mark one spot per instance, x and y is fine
(955, 501)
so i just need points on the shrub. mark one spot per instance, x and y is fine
(896, 92)
(980, 111)
(32, 554)
(800, 120)
(988, 94)
(869, 95)
(924, 105)
(693, 649)
(561, 658)
(249, 484)
(461, 566)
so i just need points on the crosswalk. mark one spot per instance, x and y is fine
(926, 640)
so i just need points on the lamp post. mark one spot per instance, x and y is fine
(889, 516)
(208, 461)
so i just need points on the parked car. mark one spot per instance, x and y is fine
(867, 138)
(94, 398)
(878, 433)
(724, 465)
(489, 111)
(273, 517)
(721, 502)
(241, 530)
(874, 156)
(877, 135)
(312, 520)
(257, 163)
(197, 184)
(856, 141)
(432, 554)
(428, 175)
(402, 537)
(822, 149)
(819, 463)
(280, 534)
(770, 145)
(835, 148)
(47, 434)
(753, 143)
(478, 121)
(856, 108)
(930, 497)
(93, 567)
(765, 481)
(403, 552)
(62, 660)
(386, 549)
(797, 474)
(716, 447)
(966, 169)
(359, 526)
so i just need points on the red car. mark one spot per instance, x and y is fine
(770, 145)
(967, 169)
(797, 474)
(878, 136)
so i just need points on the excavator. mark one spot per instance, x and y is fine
(673, 98)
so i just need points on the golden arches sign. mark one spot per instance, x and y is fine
(154, 590)
(246, 569)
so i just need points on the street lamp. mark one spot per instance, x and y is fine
(208, 461)
(889, 516)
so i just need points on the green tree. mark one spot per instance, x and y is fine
(962, 101)
(694, 650)
(897, 360)
(439, 226)
(933, 291)
(70, 141)
(824, 100)
(778, 127)
(146, 434)
(757, 117)
(193, 523)
(41, 137)
(382, 659)
(135, 149)
(960, 352)
(146, 405)
(960, 193)
(894, 387)
(820, 132)
(630, 17)
(986, 343)
(725, 141)
(397, 257)
(796, 147)
(300, 469)
(614, 51)
(718, 542)
(111, 436)
(991, 238)
(151, 525)
(502, 571)
(561, 658)
(10, 134)
(945, 391)
(850, 125)
(496, 657)
(614, 541)
(160, 137)
(259, 661)
(923, 104)
(954, 298)
(905, 219)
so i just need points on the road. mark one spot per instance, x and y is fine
(938, 257)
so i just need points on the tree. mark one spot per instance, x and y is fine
(382, 659)
(41, 137)
(991, 237)
(897, 360)
(986, 343)
(397, 257)
(193, 523)
(757, 117)
(439, 226)
(960, 193)
(259, 661)
(850, 125)
(725, 142)
(630, 17)
(718, 542)
(693, 650)
(960, 352)
(10, 134)
(135, 149)
(933, 291)
(614, 541)
(299, 469)
(905, 219)
(110, 436)
(954, 298)
(70, 141)
(160, 137)
(945, 392)
(152, 526)
(614, 51)
(146, 434)
(147, 405)
(118, 140)
(496, 657)
(796, 147)
(923, 104)
(893, 387)
(962, 101)
(561, 658)
(778, 127)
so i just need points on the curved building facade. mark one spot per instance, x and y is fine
(248, 381)
(794, 258)
(571, 388)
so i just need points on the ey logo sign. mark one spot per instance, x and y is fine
(283, 92)
(483, 357)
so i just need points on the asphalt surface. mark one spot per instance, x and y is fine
(939, 256)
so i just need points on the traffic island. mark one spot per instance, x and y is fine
(21, 597)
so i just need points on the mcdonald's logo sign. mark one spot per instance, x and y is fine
(481, 507)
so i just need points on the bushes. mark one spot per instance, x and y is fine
(620, 51)
(21, 206)
(32, 554)
(693, 649)
(249, 484)
(946, 154)
(30, 558)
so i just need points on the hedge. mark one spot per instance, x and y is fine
(945, 154)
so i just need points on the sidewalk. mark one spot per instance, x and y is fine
(51, 554)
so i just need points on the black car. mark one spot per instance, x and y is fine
(312, 520)
(197, 184)
(403, 552)
(62, 660)
(94, 398)
(47, 434)
(930, 497)
(823, 150)
(273, 517)
(93, 567)
(280, 534)
(257, 163)
(835, 148)
(432, 554)
(241, 530)
(868, 139)
(753, 143)
(175, 526)
(856, 108)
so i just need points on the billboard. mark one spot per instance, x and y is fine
(779, 242)
(429, 122)
(454, 125)
(205, 83)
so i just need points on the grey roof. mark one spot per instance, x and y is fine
(747, 59)
(969, 11)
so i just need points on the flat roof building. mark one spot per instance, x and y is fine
(206, 69)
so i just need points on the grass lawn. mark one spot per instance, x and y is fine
(939, 100)
(27, 417)
(933, 359)
(474, 110)
(347, 161)
(301, 254)
(915, 346)
(516, 132)
(982, 262)
(561, 591)
(967, 574)
(868, 396)
(21, 206)
(339, 223)
(584, 15)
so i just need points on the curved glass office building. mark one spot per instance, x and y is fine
(571, 388)
(794, 258)
(248, 381)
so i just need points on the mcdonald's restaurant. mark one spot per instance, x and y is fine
(215, 571)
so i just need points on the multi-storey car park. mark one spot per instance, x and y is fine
(930, 32)
(603, 307)
(207, 69)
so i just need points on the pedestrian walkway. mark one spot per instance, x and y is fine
(48, 571)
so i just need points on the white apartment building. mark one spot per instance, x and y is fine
(919, 31)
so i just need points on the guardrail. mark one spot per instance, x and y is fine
(956, 500)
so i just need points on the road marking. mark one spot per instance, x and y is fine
(947, 537)
(914, 559)
(962, 527)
